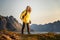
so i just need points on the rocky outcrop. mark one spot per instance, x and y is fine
(9, 23)
(3, 23)
(9, 35)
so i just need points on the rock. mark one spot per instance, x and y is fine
(3, 23)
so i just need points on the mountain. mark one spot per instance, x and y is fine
(9, 23)
(50, 27)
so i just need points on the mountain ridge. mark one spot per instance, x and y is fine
(50, 27)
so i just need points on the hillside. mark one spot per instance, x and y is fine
(9, 35)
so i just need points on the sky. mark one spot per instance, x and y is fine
(43, 11)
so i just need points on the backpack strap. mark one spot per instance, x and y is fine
(24, 15)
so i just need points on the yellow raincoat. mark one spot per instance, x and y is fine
(26, 18)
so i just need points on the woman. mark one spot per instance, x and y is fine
(25, 17)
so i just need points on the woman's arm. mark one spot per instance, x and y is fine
(22, 14)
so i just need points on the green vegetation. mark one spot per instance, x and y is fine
(8, 35)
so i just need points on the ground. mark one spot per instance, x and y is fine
(9, 35)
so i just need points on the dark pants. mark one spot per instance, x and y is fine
(27, 24)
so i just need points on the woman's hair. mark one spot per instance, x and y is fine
(28, 8)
